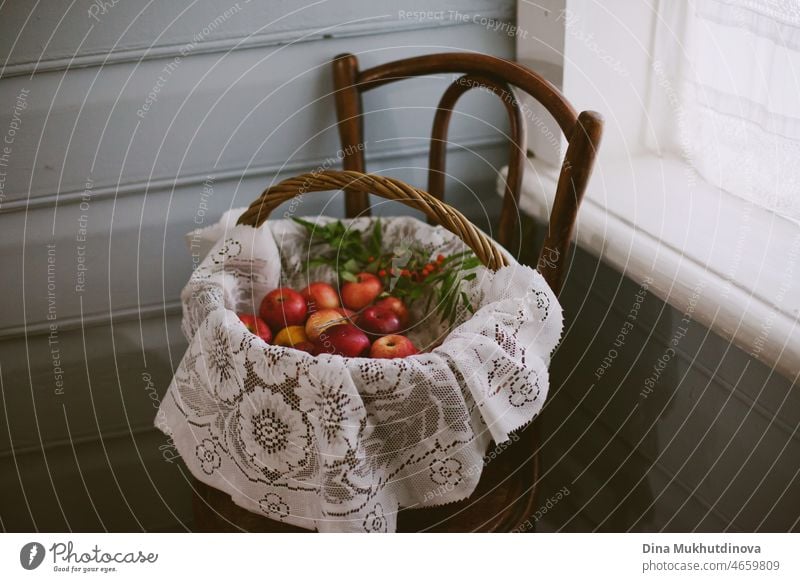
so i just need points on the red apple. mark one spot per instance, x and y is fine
(357, 295)
(321, 320)
(283, 307)
(397, 306)
(377, 321)
(392, 346)
(319, 295)
(345, 340)
(256, 325)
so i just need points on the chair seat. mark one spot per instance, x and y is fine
(504, 499)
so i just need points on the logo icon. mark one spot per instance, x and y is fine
(31, 555)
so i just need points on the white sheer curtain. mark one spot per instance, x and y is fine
(725, 95)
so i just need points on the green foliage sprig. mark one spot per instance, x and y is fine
(406, 273)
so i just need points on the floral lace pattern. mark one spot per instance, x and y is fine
(340, 444)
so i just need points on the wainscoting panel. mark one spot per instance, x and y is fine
(93, 32)
(120, 483)
(114, 375)
(655, 423)
(94, 129)
(135, 254)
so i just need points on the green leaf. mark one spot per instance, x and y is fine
(318, 262)
(377, 237)
(350, 277)
(309, 225)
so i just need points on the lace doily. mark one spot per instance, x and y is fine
(340, 444)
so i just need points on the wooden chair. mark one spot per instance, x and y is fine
(497, 75)
(505, 497)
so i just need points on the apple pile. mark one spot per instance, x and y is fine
(366, 323)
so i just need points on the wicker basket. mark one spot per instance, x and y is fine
(216, 501)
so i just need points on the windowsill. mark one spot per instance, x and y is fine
(727, 263)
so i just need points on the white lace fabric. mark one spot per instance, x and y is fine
(340, 444)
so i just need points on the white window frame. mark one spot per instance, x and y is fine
(728, 263)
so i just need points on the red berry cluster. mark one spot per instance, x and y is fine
(418, 275)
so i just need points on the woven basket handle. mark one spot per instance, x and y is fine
(487, 251)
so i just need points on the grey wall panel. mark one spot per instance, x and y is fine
(113, 376)
(134, 253)
(116, 484)
(613, 485)
(220, 112)
(712, 446)
(47, 36)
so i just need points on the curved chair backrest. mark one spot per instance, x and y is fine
(498, 75)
